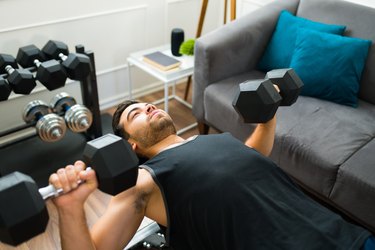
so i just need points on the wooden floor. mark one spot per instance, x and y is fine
(97, 202)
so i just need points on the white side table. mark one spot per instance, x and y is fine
(167, 77)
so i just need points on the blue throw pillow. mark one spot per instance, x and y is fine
(281, 46)
(330, 65)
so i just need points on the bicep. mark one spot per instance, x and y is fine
(118, 224)
(123, 216)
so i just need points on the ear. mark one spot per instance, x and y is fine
(133, 144)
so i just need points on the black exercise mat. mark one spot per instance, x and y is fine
(39, 159)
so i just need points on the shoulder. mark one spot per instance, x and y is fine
(138, 195)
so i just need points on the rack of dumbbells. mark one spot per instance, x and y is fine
(48, 122)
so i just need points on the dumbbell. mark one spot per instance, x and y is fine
(50, 127)
(23, 213)
(21, 81)
(50, 73)
(78, 118)
(5, 89)
(76, 65)
(257, 101)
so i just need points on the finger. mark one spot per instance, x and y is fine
(277, 88)
(71, 176)
(79, 166)
(61, 173)
(55, 181)
(89, 176)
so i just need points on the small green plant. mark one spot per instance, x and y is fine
(187, 47)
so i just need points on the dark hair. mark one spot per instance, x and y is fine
(118, 128)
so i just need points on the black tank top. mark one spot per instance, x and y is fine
(221, 194)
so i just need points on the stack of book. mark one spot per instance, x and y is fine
(161, 61)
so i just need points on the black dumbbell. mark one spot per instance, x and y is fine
(50, 73)
(5, 89)
(49, 127)
(21, 80)
(258, 100)
(78, 118)
(76, 65)
(23, 213)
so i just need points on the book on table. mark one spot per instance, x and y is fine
(161, 61)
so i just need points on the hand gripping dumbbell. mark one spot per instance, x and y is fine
(78, 118)
(23, 213)
(50, 127)
(77, 65)
(50, 73)
(21, 81)
(257, 101)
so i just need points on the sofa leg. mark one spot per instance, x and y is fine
(203, 128)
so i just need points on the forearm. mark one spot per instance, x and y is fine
(74, 232)
(262, 138)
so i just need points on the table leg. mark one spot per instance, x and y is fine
(166, 96)
(130, 85)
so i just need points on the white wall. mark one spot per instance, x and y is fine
(370, 3)
(111, 29)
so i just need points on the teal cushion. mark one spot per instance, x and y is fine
(330, 65)
(281, 46)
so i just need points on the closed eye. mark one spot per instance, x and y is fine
(135, 115)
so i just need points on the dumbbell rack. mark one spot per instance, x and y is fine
(25, 151)
(90, 99)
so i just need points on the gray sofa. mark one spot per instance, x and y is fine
(327, 148)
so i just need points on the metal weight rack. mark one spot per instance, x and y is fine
(90, 99)
(22, 150)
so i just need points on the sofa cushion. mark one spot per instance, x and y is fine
(359, 22)
(315, 137)
(354, 189)
(330, 65)
(279, 51)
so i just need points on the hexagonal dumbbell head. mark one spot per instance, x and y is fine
(50, 73)
(53, 48)
(21, 80)
(289, 83)
(5, 89)
(77, 66)
(23, 213)
(257, 101)
(114, 161)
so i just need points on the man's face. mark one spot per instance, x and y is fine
(146, 124)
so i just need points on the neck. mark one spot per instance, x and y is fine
(163, 144)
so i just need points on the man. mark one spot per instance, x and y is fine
(209, 192)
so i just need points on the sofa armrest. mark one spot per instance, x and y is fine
(234, 48)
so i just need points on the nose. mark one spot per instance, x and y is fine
(150, 108)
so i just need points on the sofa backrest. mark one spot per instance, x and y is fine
(359, 21)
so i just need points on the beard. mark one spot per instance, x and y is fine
(156, 132)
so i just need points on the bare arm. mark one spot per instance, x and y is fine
(120, 222)
(263, 137)
(74, 232)
(113, 230)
